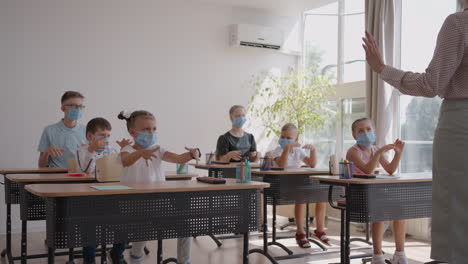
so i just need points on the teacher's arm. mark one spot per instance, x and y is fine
(447, 58)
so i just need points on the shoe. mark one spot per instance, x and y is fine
(136, 260)
(399, 258)
(378, 259)
(322, 236)
(302, 241)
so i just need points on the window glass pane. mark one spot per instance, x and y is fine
(321, 42)
(418, 115)
(328, 9)
(354, 6)
(354, 56)
(323, 140)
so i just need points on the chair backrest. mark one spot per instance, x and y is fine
(72, 166)
(109, 168)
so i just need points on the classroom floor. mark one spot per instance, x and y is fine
(204, 250)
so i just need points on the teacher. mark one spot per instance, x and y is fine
(236, 144)
(446, 77)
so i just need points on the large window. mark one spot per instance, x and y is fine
(418, 115)
(332, 41)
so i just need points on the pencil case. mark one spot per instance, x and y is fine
(211, 180)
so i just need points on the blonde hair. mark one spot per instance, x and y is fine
(288, 126)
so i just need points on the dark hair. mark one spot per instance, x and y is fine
(353, 126)
(135, 114)
(97, 123)
(71, 94)
(234, 108)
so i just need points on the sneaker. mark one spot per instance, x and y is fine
(322, 236)
(136, 260)
(399, 258)
(378, 259)
(302, 241)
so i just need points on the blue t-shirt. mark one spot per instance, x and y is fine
(60, 136)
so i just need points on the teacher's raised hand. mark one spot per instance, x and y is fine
(373, 56)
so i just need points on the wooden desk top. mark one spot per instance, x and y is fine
(174, 175)
(59, 177)
(232, 165)
(33, 170)
(407, 177)
(299, 171)
(84, 189)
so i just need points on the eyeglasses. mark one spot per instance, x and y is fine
(75, 106)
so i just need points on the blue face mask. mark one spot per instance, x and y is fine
(74, 114)
(106, 148)
(366, 139)
(146, 140)
(284, 141)
(239, 121)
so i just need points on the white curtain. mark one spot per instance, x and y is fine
(383, 22)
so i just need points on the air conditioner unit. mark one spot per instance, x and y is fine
(256, 36)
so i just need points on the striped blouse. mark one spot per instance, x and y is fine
(447, 74)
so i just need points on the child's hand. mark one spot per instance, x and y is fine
(399, 146)
(235, 155)
(148, 154)
(124, 142)
(54, 152)
(97, 144)
(194, 152)
(253, 155)
(386, 148)
(309, 147)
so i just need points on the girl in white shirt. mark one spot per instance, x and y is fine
(290, 155)
(142, 163)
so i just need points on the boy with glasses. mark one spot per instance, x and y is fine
(60, 141)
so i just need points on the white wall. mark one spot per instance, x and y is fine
(169, 57)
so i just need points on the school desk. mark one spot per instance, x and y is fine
(221, 170)
(12, 197)
(289, 186)
(79, 215)
(408, 196)
(32, 208)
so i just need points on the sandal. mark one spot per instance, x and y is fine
(302, 241)
(322, 236)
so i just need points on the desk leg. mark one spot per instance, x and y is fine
(103, 254)
(51, 256)
(342, 237)
(274, 242)
(7, 250)
(24, 241)
(265, 224)
(71, 255)
(160, 253)
(264, 252)
(347, 234)
(245, 252)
